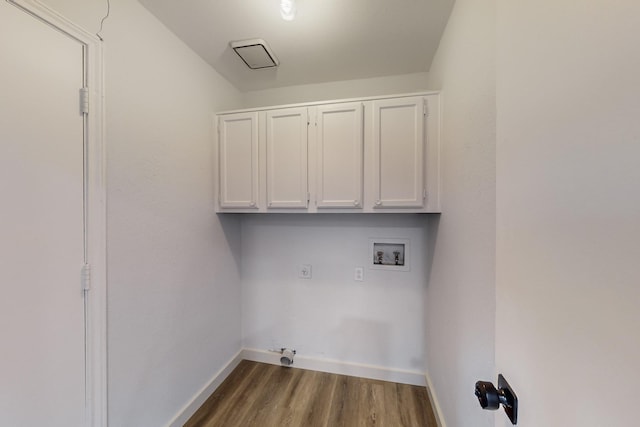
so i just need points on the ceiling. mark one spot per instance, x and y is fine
(329, 40)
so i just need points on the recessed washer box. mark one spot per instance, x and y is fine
(389, 254)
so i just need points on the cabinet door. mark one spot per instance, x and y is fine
(287, 158)
(398, 153)
(238, 160)
(339, 156)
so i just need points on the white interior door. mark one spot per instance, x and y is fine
(568, 212)
(42, 324)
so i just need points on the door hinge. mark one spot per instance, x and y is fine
(84, 100)
(425, 108)
(424, 194)
(86, 277)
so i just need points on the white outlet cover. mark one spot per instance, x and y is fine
(359, 274)
(304, 271)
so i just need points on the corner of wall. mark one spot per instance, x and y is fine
(462, 241)
(203, 394)
(435, 403)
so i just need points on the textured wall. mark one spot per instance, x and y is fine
(173, 268)
(460, 305)
(378, 321)
(173, 265)
(390, 85)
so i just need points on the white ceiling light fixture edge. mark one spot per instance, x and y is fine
(255, 53)
(288, 9)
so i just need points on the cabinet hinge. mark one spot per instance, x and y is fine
(308, 197)
(85, 277)
(424, 194)
(84, 100)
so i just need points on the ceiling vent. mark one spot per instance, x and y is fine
(255, 53)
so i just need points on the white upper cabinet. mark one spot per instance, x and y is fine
(398, 153)
(238, 160)
(377, 154)
(286, 149)
(339, 155)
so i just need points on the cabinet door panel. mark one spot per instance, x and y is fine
(340, 155)
(238, 159)
(287, 158)
(398, 153)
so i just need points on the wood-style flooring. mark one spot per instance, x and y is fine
(262, 395)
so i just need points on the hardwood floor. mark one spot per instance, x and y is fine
(262, 395)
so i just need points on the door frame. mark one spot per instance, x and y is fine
(94, 210)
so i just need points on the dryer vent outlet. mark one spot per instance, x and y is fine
(287, 357)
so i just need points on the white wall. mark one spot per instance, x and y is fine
(173, 267)
(332, 317)
(569, 210)
(389, 85)
(460, 304)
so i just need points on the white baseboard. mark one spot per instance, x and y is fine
(338, 367)
(434, 402)
(200, 397)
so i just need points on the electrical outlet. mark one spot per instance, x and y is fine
(304, 271)
(359, 274)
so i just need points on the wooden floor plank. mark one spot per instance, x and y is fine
(392, 408)
(370, 404)
(262, 395)
(344, 402)
(318, 407)
(224, 407)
